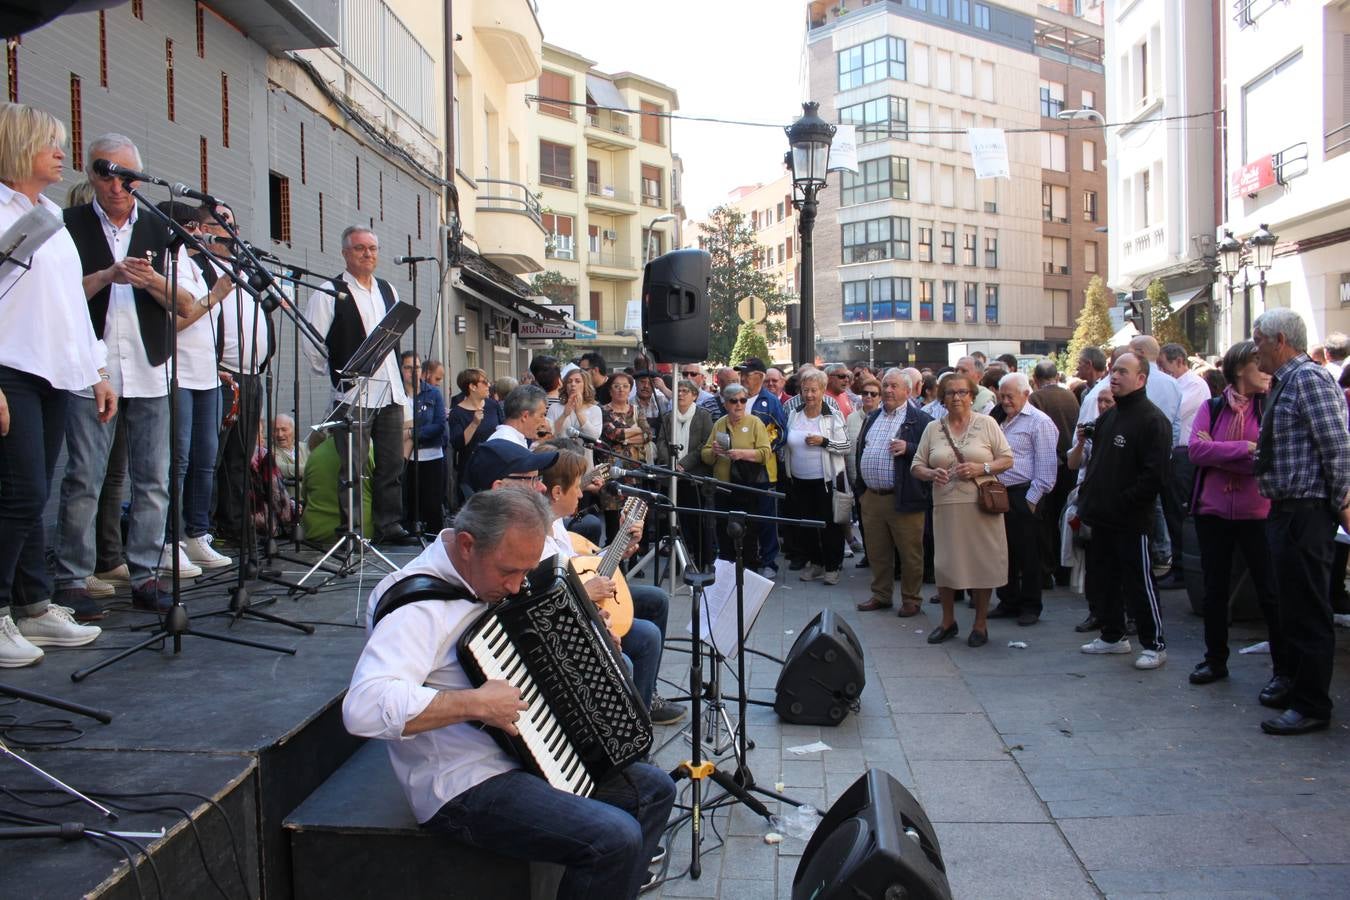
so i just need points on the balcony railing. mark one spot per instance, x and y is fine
(1336, 140)
(614, 123)
(510, 196)
(611, 260)
(560, 247)
(608, 192)
(561, 181)
(653, 200)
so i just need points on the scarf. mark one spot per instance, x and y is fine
(682, 423)
(1240, 404)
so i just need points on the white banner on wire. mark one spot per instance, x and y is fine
(989, 152)
(844, 150)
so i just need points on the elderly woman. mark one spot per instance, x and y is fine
(623, 428)
(1230, 513)
(579, 409)
(970, 548)
(47, 350)
(738, 451)
(689, 428)
(471, 420)
(817, 446)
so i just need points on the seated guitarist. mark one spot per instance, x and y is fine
(410, 690)
(644, 641)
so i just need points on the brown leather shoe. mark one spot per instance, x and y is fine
(908, 609)
(873, 604)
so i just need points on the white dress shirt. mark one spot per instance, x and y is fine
(1194, 394)
(197, 369)
(1162, 392)
(504, 432)
(407, 661)
(386, 385)
(244, 329)
(1087, 409)
(128, 365)
(44, 317)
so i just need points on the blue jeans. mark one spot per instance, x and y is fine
(606, 841)
(27, 459)
(645, 640)
(88, 443)
(195, 468)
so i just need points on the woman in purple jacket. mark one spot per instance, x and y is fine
(1229, 511)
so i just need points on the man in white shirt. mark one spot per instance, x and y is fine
(525, 417)
(345, 321)
(410, 690)
(1176, 493)
(1091, 370)
(123, 255)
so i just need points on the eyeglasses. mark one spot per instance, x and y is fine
(735, 401)
(959, 392)
(528, 479)
(871, 393)
(692, 374)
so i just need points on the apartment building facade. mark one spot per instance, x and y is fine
(1161, 152)
(937, 256)
(607, 184)
(1286, 87)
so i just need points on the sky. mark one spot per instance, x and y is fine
(731, 59)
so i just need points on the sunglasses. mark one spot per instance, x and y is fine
(738, 401)
(871, 393)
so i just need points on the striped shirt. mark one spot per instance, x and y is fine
(1305, 427)
(1033, 437)
(878, 466)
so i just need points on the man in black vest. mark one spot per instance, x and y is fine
(123, 258)
(344, 322)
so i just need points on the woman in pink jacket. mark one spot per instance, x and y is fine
(1230, 512)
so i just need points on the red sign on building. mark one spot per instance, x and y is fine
(1254, 176)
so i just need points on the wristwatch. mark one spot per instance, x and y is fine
(988, 470)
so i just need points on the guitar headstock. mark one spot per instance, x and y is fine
(634, 511)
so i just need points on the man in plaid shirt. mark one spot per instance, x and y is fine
(1303, 466)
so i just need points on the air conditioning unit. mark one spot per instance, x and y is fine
(609, 235)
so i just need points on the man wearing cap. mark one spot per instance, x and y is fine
(769, 410)
(497, 464)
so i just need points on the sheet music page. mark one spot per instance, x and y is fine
(719, 607)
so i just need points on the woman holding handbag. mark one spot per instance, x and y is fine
(817, 445)
(960, 453)
(738, 451)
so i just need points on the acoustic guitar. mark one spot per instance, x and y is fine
(606, 564)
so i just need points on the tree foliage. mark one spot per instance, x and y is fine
(730, 241)
(1093, 328)
(749, 342)
(1167, 328)
(556, 286)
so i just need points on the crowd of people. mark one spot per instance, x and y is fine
(991, 482)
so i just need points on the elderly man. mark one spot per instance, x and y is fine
(723, 377)
(974, 368)
(1303, 466)
(1033, 437)
(838, 380)
(1091, 370)
(362, 300)
(123, 258)
(774, 382)
(694, 372)
(1117, 496)
(893, 501)
(524, 417)
(410, 690)
(1337, 346)
(1163, 393)
(1057, 402)
(1177, 491)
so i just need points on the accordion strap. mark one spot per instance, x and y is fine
(414, 589)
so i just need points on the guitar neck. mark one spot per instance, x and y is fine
(633, 512)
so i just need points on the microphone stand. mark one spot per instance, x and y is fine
(418, 361)
(175, 623)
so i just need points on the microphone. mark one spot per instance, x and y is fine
(182, 190)
(618, 471)
(649, 496)
(577, 434)
(402, 260)
(113, 170)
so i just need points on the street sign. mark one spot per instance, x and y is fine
(592, 324)
(753, 309)
(544, 331)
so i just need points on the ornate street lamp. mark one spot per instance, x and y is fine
(809, 158)
(1229, 253)
(1262, 243)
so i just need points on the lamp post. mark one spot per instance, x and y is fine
(809, 138)
(1262, 243)
(1229, 253)
(651, 232)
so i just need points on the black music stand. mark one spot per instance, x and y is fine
(351, 411)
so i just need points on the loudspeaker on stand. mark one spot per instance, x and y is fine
(675, 324)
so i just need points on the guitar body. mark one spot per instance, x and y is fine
(620, 606)
(582, 546)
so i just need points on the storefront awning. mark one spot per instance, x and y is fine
(1190, 295)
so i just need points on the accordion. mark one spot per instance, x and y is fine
(585, 719)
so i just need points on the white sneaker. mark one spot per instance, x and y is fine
(186, 568)
(812, 572)
(1151, 659)
(832, 577)
(98, 588)
(57, 628)
(199, 550)
(1100, 646)
(119, 576)
(15, 649)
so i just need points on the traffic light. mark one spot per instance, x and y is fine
(1137, 312)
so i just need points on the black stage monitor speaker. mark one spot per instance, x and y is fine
(875, 843)
(822, 677)
(675, 306)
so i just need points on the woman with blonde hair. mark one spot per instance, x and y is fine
(47, 351)
(578, 409)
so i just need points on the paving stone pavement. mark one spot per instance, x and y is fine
(1046, 773)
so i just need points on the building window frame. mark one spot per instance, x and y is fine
(991, 304)
(885, 178)
(551, 159)
(878, 119)
(875, 60)
(872, 240)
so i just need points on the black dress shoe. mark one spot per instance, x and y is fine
(1172, 581)
(1091, 623)
(938, 635)
(1276, 692)
(1207, 673)
(862, 563)
(1002, 612)
(396, 536)
(1028, 618)
(1291, 721)
(977, 638)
